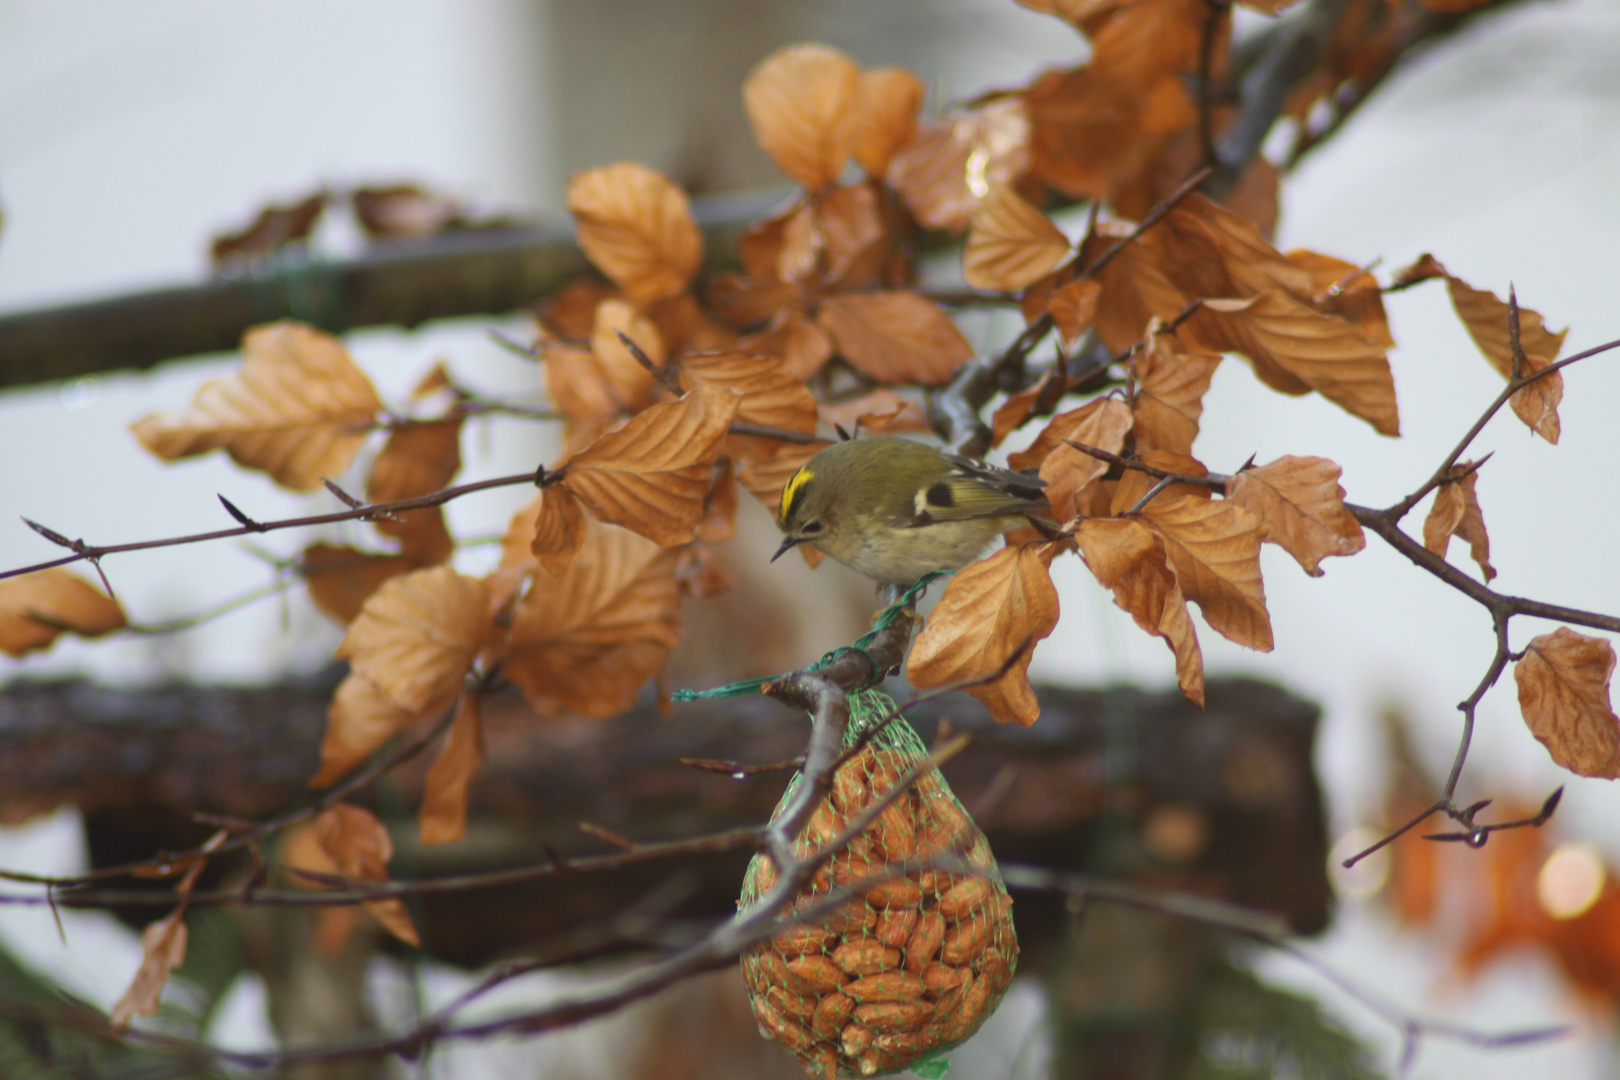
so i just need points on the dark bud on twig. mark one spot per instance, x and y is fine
(241, 518)
(343, 496)
(50, 534)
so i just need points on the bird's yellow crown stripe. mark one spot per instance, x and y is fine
(794, 486)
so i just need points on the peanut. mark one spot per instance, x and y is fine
(925, 941)
(939, 979)
(789, 1003)
(831, 1014)
(769, 967)
(855, 1038)
(965, 941)
(895, 893)
(894, 925)
(849, 789)
(855, 917)
(884, 1016)
(773, 1025)
(865, 956)
(965, 896)
(949, 1003)
(849, 871)
(803, 939)
(814, 974)
(893, 834)
(886, 986)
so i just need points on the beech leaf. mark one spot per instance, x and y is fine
(1020, 406)
(1301, 504)
(636, 226)
(418, 459)
(629, 382)
(802, 101)
(163, 948)
(1068, 472)
(35, 608)
(1074, 309)
(1346, 290)
(652, 474)
(954, 163)
(1295, 349)
(342, 579)
(418, 635)
(443, 815)
(896, 337)
(1170, 388)
(1128, 558)
(297, 409)
(559, 529)
(587, 641)
(771, 395)
(992, 614)
(803, 347)
(766, 479)
(1564, 695)
(360, 847)
(1486, 318)
(1456, 513)
(1010, 244)
(1214, 547)
(886, 118)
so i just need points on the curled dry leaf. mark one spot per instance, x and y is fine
(886, 118)
(882, 412)
(896, 337)
(577, 385)
(652, 474)
(802, 101)
(953, 163)
(163, 948)
(1041, 397)
(803, 347)
(36, 608)
(587, 641)
(856, 233)
(719, 522)
(1214, 547)
(1010, 244)
(1068, 472)
(1135, 288)
(417, 460)
(1134, 485)
(1301, 505)
(443, 815)
(360, 847)
(1129, 559)
(1295, 349)
(1170, 387)
(770, 394)
(1208, 251)
(1564, 695)
(636, 226)
(992, 614)
(559, 529)
(1346, 290)
(361, 718)
(1486, 318)
(1073, 308)
(1456, 513)
(298, 409)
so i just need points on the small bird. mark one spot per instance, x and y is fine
(894, 509)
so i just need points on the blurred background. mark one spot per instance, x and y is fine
(130, 134)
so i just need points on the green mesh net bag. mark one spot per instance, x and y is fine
(911, 967)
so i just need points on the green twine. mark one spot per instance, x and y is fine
(884, 620)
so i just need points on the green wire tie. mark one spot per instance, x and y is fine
(884, 621)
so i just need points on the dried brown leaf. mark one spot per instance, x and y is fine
(882, 412)
(771, 395)
(1020, 406)
(954, 163)
(1068, 472)
(559, 529)
(1010, 244)
(1214, 547)
(417, 636)
(417, 460)
(1486, 318)
(586, 642)
(1456, 513)
(1135, 288)
(719, 523)
(1295, 349)
(1074, 309)
(403, 211)
(636, 226)
(896, 337)
(274, 227)
(35, 608)
(297, 409)
(802, 101)
(1425, 268)
(886, 118)
(342, 579)
(1346, 290)
(629, 381)
(359, 721)
(578, 386)
(652, 474)
(1301, 504)
(854, 234)
(163, 948)
(992, 614)
(1170, 387)
(1564, 695)
(1128, 558)
(443, 814)
(766, 479)
(1209, 251)
(360, 847)
(802, 345)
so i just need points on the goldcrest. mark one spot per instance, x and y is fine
(895, 509)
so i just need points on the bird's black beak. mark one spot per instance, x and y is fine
(788, 544)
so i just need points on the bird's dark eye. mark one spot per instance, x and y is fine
(811, 527)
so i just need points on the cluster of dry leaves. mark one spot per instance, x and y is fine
(676, 389)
